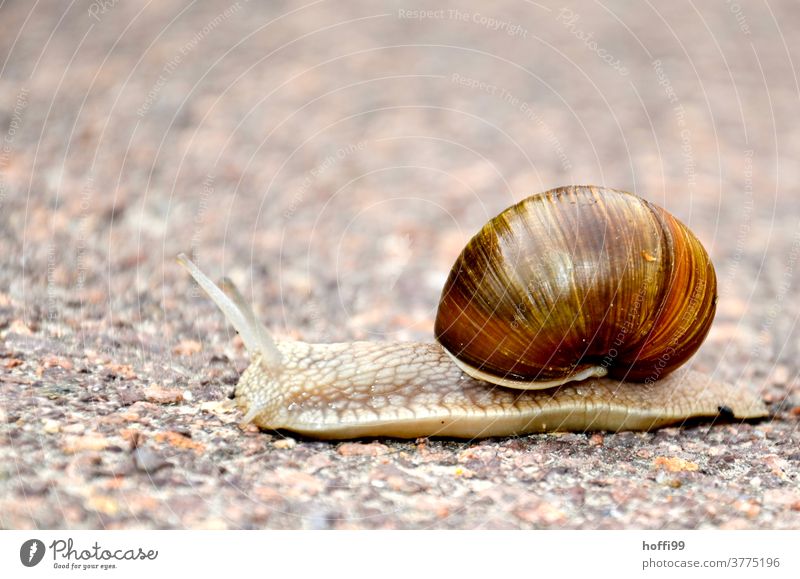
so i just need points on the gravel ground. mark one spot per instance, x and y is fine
(332, 159)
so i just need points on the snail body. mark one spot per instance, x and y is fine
(567, 312)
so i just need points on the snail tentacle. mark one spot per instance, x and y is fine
(255, 335)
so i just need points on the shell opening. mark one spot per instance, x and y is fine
(591, 372)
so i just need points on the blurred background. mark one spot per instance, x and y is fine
(334, 157)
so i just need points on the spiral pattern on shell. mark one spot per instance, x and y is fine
(576, 282)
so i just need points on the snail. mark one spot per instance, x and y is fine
(569, 311)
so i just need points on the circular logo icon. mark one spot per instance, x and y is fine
(31, 552)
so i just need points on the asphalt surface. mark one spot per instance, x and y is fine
(332, 159)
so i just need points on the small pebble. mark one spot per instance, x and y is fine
(319, 521)
(179, 440)
(781, 498)
(188, 348)
(19, 327)
(750, 508)
(285, 443)
(394, 478)
(52, 361)
(103, 504)
(148, 461)
(596, 439)
(130, 396)
(463, 472)
(359, 449)
(268, 495)
(75, 428)
(540, 512)
(675, 464)
(74, 444)
(51, 426)
(780, 375)
(159, 395)
(124, 371)
(299, 484)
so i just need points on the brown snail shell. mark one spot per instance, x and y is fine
(573, 283)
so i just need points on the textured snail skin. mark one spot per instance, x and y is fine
(577, 281)
(409, 390)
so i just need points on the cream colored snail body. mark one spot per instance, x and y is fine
(568, 311)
